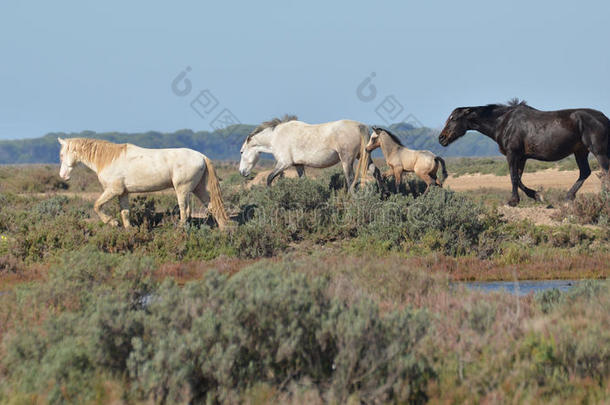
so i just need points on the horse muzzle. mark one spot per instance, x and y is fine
(64, 175)
(443, 140)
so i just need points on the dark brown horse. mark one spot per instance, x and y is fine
(522, 133)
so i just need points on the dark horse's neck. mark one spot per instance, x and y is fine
(486, 118)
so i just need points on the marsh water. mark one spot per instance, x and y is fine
(521, 287)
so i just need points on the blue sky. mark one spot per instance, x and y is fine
(106, 66)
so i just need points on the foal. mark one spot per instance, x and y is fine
(401, 159)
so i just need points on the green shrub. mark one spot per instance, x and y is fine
(36, 240)
(548, 299)
(51, 207)
(456, 217)
(304, 194)
(255, 239)
(267, 325)
(208, 243)
(210, 340)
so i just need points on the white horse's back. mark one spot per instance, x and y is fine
(316, 145)
(143, 169)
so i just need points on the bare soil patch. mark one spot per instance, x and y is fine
(551, 178)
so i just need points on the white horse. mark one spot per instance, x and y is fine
(126, 168)
(298, 144)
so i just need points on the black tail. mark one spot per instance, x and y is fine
(445, 174)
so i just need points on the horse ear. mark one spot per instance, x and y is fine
(61, 141)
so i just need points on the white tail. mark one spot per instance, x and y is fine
(216, 205)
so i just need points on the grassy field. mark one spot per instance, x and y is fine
(312, 296)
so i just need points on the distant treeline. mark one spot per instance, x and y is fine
(223, 144)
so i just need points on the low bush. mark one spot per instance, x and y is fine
(456, 219)
(588, 209)
(211, 340)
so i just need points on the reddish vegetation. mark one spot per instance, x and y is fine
(543, 267)
(547, 267)
(183, 272)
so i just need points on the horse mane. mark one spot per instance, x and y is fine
(391, 135)
(271, 124)
(98, 152)
(513, 102)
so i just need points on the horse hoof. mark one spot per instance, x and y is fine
(113, 222)
(538, 197)
(513, 203)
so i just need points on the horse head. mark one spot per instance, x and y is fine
(251, 150)
(456, 126)
(374, 140)
(67, 158)
(259, 141)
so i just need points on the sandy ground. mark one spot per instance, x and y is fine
(545, 179)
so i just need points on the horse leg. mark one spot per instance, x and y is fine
(300, 170)
(528, 191)
(376, 173)
(513, 165)
(598, 145)
(347, 163)
(124, 203)
(434, 175)
(585, 170)
(604, 163)
(348, 170)
(437, 182)
(106, 196)
(279, 168)
(202, 195)
(434, 178)
(604, 176)
(183, 195)
(428, 179)
(397, 177)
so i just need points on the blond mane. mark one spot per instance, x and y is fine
(95, 151)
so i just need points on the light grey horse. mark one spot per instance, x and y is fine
(296, 143)
(126, 168)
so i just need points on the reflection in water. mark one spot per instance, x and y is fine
(521, 287)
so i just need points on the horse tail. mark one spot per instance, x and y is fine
(365, 157)
(216, 206)
(441, 161)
